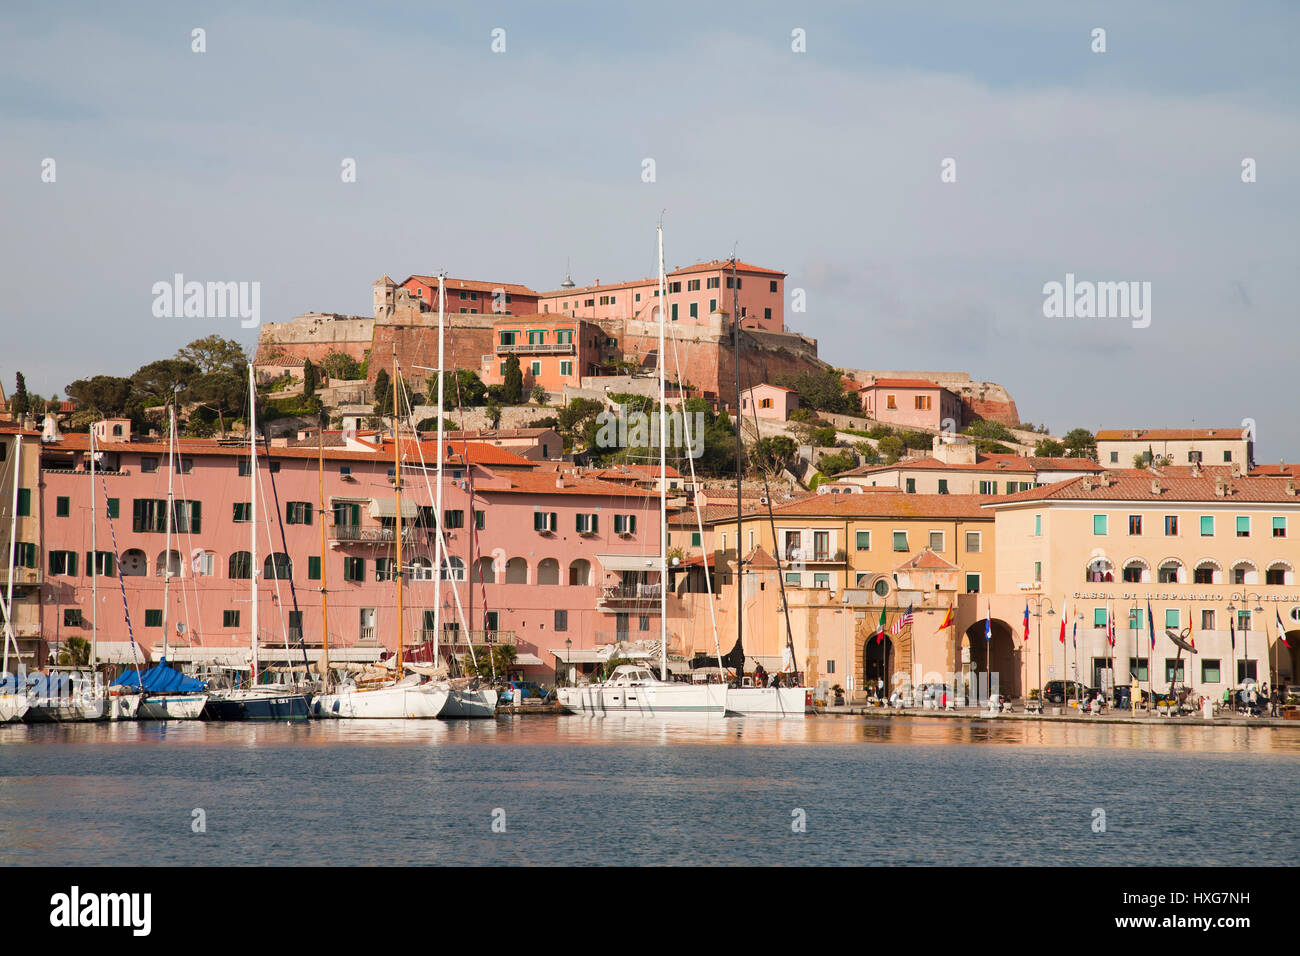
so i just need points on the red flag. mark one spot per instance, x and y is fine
(1026, 620)
(1062, 628)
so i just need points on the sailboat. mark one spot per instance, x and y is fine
(256, 701)
(13, 704)
(632, 689)
(384, 693)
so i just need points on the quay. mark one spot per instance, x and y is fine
(983, 714)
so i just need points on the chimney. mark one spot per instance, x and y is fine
(559, 480)
(1087, 483)
(1220, 487)
(1155, 486)
(1236, 469)
(1196, 469)
(1290, 488)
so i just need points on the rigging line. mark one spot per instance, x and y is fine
(189, 541)
(270, 556)
(473, 525)
(284, 543)
(126, 610)
(699, 521)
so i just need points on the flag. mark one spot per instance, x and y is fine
(988, 624)
(1074, 635)
(947, 620)
(1026, 620)
(1110, 629)
(1232, 632)
(1063, 616)
(1190, 627)
(902, 621)
(880, 628)
(1151, 623)
(1281, 628)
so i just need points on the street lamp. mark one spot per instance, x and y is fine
(1245, 634)
(1039, 601)
(568, 660)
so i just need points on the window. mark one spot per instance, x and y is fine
(1243, 620)
(297, 512)
(240, 565)
(535, 368)
(793, 579)
(890, 402)
(936, 540)
(1207, 620)
(566, 367)
(295, 625)
(385, 569)
(72, 617)
(1138, 667)
(1135, 619)
(713, 283)
(507, 338)
(1193, 457)
(767, 313)
(695, 539)
(1243, 526)
(830, 667)
(1171, 525)
(821, 580)
(1133, 573)
(1245, 671)
(1038, 572)
(63, 562)
(1203, 575)
(62, 506)
(114, 507)
(864, 540)
(974, 541)
(100, 563)
(911, 486)
(243, 511)
(1227, 456)
(644, 623)
(1279, 527)
(1114, 457)
(1173, 664)
(900, 541)
(536, 337)
(1171, 617)
(695, 310)
(453, 519)
(25, 554)
(624, 524)
(313, 567)
(245, 468)
(544, 521)
(347, 514)
(988, 487)
(1210, 672)
(943, 486)
(1207, 526)
(148, 465)
(1168, 572)
(153, 617)
(561, 619)
(972, 583)
(354, 569)
(480, 520)
(1134, 524)
(1275, 576)
(587, 523)
(922, 403)
(1099, 524)
(1099, 617)
(771, 286)
(230, 619)
(881, 587)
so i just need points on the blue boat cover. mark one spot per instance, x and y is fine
(159, 679)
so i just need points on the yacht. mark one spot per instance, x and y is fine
(633, 689)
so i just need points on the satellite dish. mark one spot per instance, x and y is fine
(1181, 638)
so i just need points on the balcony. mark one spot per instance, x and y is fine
(541, 348)
(815, 556)
(458, 638)
(23, 577)
(628, 595)
(356, 534)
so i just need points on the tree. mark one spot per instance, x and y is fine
(774, 453)
(868, 452)
(163, 381)
(383, 395)
(495, 659)
(1080, 443)
(462, 390)
(20, 404)
(1049, 448)
(340, 365)
(493, 412)
(513, 381)
(835, 463)
(822, 389)
(212, 353)
(891, 447)
(538, 394)
(308, 378)
(106, 395)
(222, 392)
(75, 652)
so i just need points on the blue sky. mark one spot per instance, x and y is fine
(1116, 166)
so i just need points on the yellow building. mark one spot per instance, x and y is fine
(1204, 548)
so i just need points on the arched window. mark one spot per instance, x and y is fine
(241, 565)
(484, 573)
(169, 562)
(421, 569)
(1207, 571)
(277, 567)
(548, 571)
(134, 563)
(453, 568)
(1100, 569)
(517, 571)
(1245, 572)
(1171, 572)
(580, 573)
(1279, 572)
(1136, 570)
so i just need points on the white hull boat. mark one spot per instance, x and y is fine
(781, 702)
(464, 703)
(401, 701)
(632, 690)
(13, 707)
(172, 706)
(123, 707)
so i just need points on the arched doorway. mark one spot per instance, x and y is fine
(997, 656)
(877, 665)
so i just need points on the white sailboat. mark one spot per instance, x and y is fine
(13, 705)
(632, 689)
(121, 704)
(395, 694)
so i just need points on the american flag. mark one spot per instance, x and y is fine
(902, 621)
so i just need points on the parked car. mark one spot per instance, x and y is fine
(1058, 691)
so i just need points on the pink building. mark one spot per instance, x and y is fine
(553, 351)
(536, 557)
(910, 403)
(769, 401)
(694, 292)
(472, 297)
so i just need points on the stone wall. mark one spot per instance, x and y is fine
(313, 336)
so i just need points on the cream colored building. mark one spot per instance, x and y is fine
(1117, 447)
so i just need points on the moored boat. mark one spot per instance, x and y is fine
(632, 689)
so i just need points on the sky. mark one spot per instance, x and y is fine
(517, 166)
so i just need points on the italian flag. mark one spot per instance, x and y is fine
(880, 628)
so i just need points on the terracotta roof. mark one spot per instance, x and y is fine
(779, 388)
(611, 287)
(889, 506)
(471, 285)
(1175, 485)
(633, 473)
(1012, 464)
(1232, 433)
(716, 264)
(760, 560)
(927, 560)
(1280, 470)
(902, 383)
(484, 434)
(544, 483)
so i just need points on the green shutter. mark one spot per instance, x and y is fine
(1098, 524)
(114, 507)
(1243, 525)
(1279, 524)
(196, 517)
(1207, 526)
(24, 502)
(313, 567)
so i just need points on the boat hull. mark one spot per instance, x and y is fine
(123, 707)
(466, 704)
(66, 710)
(676, 700)
(258, 707)
(13, 707)
(785, 703)
(172, 707)
(421, 702)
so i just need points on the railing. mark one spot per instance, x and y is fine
(368, 633)
(634, 592)
(549, 348)
(465, 638)
(359, 535)
(819, 556)
(23, 577)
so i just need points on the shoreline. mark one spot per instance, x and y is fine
(973, 714)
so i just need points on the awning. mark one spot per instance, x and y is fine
(387, 508)
(528, 660)
(629, 562)
(119, 652)
(578, 656)
(223, 656)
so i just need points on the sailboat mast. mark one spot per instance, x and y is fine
(252, 518)
(324, 605)
(397, 485)
(740, 450)
(13, 543)
(438, 556)
(167, 546)
(663, 481)
(94, 561)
